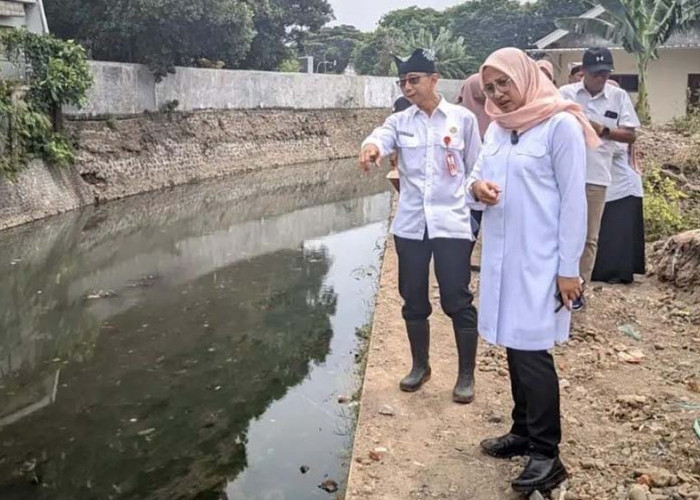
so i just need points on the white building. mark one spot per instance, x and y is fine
(673, 81)
(23, 13)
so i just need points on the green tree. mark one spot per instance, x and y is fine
(334, 44)
(413, 19)
(268, 49)
(250, 34)
(160, 33)
(374, 56)
(282, 27)
(641, 27)
(451, 53)
(56, 74)
(304, 16)
(488, 25)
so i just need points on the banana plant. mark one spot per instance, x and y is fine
(640, 27)
(450, 51)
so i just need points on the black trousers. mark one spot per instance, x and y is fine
(452, 269)
(535, 387)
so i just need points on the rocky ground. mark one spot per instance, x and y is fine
(630, 380)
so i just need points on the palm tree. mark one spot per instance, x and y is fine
(641, 27)
(450, 52)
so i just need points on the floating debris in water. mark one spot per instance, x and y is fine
(144, 282)
(329, 485)
(101, 294)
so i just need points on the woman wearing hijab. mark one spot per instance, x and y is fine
(472, 97)
(547, 68)
(621, 252)
(530, 179)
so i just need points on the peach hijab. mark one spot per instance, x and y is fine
(547, 66)
(542, 99)
(473, 98)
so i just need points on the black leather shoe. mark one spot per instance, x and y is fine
(542, 474)
(506, 446)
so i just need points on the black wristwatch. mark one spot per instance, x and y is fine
(605, 133)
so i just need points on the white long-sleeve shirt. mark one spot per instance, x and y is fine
(430, 197)
(534, 234)
(612, 108)
(625, 180)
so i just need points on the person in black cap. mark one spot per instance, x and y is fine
(612, 115)
(438, 144)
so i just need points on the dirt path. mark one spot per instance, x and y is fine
(627, 404)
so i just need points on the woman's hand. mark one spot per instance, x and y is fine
(570, 289)
(487, 192)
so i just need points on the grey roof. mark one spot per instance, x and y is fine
(563, 39)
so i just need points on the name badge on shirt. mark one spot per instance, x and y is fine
(451, 164)
(450, 157)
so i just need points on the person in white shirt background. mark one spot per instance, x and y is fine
(621, 252)
(438, 144)
(530, 181)
(575, 72)
(612, 115)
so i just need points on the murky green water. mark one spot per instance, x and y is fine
(190, 343)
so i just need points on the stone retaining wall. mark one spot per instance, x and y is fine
(123, 157)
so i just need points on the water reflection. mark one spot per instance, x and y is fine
(138, 340)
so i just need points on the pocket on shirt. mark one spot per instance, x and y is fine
(408, 142)
(455, 144)
(533, 159)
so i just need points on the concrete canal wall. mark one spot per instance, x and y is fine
(135, 135)
(127, 89)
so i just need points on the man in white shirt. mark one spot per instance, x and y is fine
(612, 115)
(438, 144)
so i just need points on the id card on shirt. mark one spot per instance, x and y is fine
(610, 119)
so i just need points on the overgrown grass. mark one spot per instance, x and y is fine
(672, 184)
(363, 334)
(663, 209)
(689, 124)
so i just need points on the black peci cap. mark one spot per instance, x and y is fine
(421, 61)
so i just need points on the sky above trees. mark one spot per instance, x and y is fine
(364, 14)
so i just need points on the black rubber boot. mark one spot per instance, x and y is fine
(467, 340)
(419, 338)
